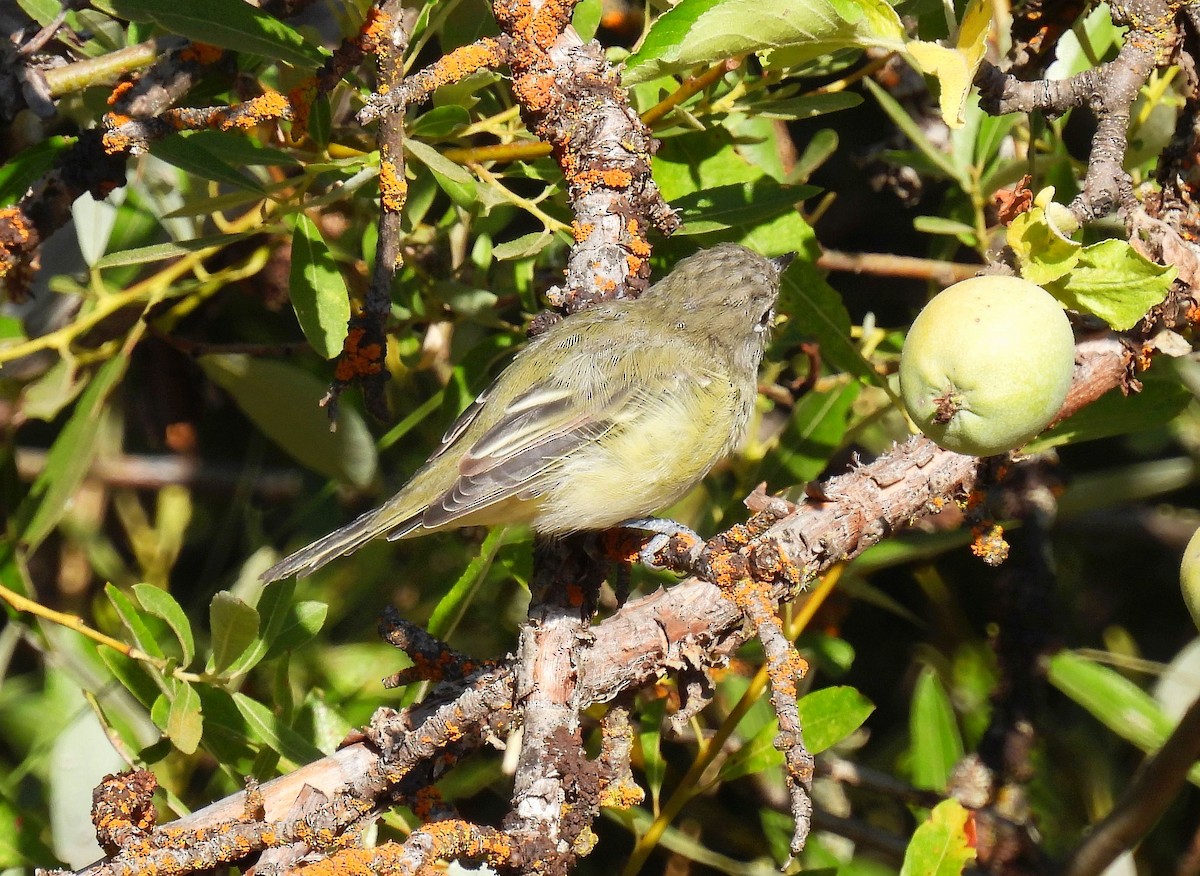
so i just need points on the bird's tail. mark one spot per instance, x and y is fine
(338, 543)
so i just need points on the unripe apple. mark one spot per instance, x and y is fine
(987, 364)
(1189, 577)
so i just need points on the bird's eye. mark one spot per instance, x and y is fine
(766, 320)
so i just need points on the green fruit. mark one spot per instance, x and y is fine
(987, 364)
(1189, 577)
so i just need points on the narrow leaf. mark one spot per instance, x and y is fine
(161, 251)
(186, 153)
(453, 178)
(936, 745)
(282, 399)
(230, 24)
(69, 458)
(162, 604)
(738, 205)
(318, 290)
(133, 621)
(267, 729)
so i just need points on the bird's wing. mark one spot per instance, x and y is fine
(517, 454)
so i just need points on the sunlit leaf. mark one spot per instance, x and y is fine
(944, 844)
(234, 626)
(185, 722)
(1115, 282)
(318, 290)
(704, 31)
(230, 24)
(162, 604)
(934, 739)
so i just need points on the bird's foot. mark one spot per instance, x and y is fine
(672, 546)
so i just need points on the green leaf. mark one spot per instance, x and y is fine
(942, 225)
(1115, 282)
(240, 149)
(185, 722)
(301, 622)
(450, 607)
(936, 745)
(1161, 399)
(806, 106)
(812, 435)
(815, 310)
(439, 122)
(266, 728)
(69, 458)
(20, 171)
(453, 179)
(133, 621)
(131, 674)
(736, 206)
(586, 18)
(1115, 701)
(318, 290)
(45, 398)
(230, 24)
(320, 121)
(1043, 251)
(160, 251)
(757, 755)
(234, 627)
(281, 400)
(935, 156)
(941, 846)
(523, 247)
(830, 714)
(162, 604)
(649, 740)
(704, 31)
(187, 153)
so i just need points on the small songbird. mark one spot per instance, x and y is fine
(610, 415)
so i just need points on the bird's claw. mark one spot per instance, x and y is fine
(659, 552)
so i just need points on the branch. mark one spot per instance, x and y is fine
(1109, 90)
(1152, 790)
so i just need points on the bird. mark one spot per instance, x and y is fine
(611, 414)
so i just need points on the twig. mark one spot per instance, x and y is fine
(887, 265)
(1152, 790)
(362, 358)
(1109, 90)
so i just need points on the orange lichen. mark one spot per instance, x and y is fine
(989, 544)
(375, 34)
(267, 106)
(536, 92)
(358, 358)
(113, 141)
(301, 100)
(613, 178)
(393, 187)
(581, 231)
(119, 91)
(201, 53)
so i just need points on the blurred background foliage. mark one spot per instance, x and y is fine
(163, 444)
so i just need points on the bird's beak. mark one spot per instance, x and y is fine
(781, 262)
